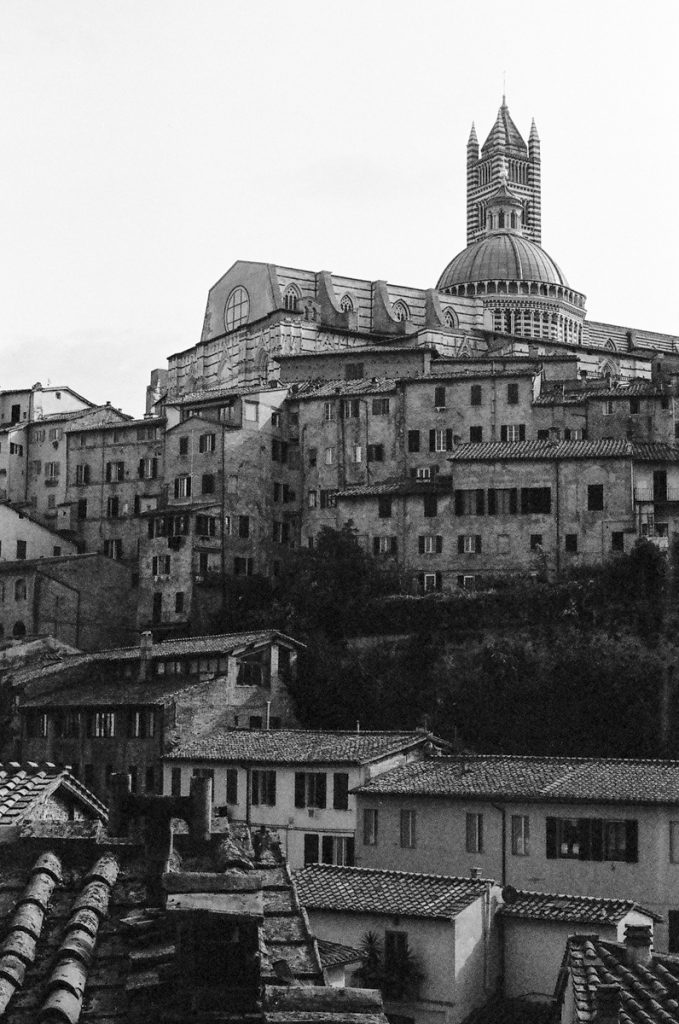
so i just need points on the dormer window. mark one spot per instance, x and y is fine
(237, 309)
(400, 311)
(291, 298)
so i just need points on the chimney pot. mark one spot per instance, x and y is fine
(638, 939)
(474, 872)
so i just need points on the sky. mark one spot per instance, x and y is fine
(148, 144)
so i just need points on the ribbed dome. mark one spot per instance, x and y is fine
(502, 256)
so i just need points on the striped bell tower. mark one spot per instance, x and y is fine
(504, 153)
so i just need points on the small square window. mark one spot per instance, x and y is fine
(571, 543)
(476, 394)
(476, 435)
(617, 540)
(512, 394)
(595, 498)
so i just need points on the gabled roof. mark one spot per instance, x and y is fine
(536, 779)
(648, 993)
(589, 910)
(377, 891)
(344, 388)
(23, 788)
(220, 643)
(493, 451)
(296, 746)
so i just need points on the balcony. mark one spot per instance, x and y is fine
(658, 497)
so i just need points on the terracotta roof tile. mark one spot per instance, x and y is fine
(342, 388)
(648, 993)
(377, 891)
(334, 954)
(544, 779)
(549, 906)
(295, 746)
(22, 786)
(600, 449)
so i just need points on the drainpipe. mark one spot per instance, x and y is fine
(557, 514)
(247, 795)
(268, 715)
(503, 812)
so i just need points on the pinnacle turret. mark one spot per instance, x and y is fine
(473, 139)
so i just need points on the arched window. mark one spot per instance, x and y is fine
(514, 224)
(20, 590)
(501, 219)
(400, 311)
(450, 317)
(346, 304)
(19, 630)
(237, 308)
(291, 298)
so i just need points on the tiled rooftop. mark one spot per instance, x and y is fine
(649, 994)
(439, 484)
(334, 954)
(296, 746)
(216, 394)
(639, 451)
(222, 643)
(589, 910)
(581, 391)
(24, 787)
(347, 353)
(376, 891)
(539, 779)
(342, 388)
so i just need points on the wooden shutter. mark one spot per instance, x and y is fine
(321, 789)
(376, 545)
(310, 849)
(503, 433)
(340, 791)
(420, 545)
(432, 440)
(232, 785)
(522, 432)
(632, 841)
(439, 544)
(449, 439)
(140, 470)
(460, 543)
(480, 503)
(477, 543)
(459, 503)
(492, 502)
(394, 545)
(300, 789)
(550, 831)
(439, 581)
(513, 501)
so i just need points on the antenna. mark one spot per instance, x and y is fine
(504, 87)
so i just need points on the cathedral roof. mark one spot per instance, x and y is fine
(502, 256)
(504, 132)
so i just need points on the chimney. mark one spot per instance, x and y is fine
(474, 872)
(607, 1004)
(200, 825)
(119, 791)
(638, 939)
(145, 647)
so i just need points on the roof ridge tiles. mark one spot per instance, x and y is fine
(356, 869)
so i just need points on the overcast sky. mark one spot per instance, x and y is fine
(148, 144)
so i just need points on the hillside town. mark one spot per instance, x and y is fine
(191, 826)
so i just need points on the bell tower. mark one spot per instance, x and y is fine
(504, 158)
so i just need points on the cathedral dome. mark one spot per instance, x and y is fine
(502, 256)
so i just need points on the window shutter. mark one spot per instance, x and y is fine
(420, 545)
(632, 841)
(492, 505)
(513, 501)
(449, 439)
(432, 440)
(522, 432)
(550, 849)
(596, 851)
(140, 469)
(300, 789)
(439, 545)
(340, 791)
(327, 850)
(439, 580)
(176, 487)
(413, 474)
(154, 468)
(460, 544)
(394, 545)
(376, 545)
(272, 785)
(413, 440)
(503, 433)
(86, 474)
(585, 836)
(232, 785)
(459, 503)
(477, 543)
(321, 790)
(480, 503)
(310, 849)
(420, 581)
